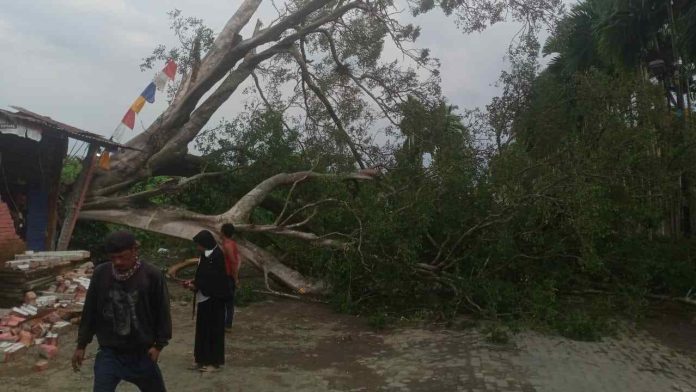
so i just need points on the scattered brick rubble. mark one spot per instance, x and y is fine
(37, 323)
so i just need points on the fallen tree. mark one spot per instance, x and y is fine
(329, 52)
(207, 81)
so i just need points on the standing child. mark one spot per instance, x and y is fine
(232, 263)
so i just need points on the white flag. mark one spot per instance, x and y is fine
(161, 80)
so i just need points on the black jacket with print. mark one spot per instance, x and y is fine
(130, 315)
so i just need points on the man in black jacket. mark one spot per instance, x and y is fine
(127, 307)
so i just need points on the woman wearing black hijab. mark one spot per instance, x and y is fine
(212, 290)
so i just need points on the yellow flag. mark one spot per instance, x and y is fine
(105, 161)
(138, 104)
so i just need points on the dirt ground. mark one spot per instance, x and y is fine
(288, 345)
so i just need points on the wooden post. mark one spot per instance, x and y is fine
(74, 205)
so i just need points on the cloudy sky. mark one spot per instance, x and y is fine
(78, 60)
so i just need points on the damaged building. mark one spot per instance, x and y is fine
(32, 151)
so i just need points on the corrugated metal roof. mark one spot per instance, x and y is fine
(45, 123)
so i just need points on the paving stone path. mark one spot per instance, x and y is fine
(291, 346)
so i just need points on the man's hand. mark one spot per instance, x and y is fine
(77, 358)
(236, 283)
(153, 353)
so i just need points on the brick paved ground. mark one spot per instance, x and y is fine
(455, 361)
(299, 347)
(633, 362)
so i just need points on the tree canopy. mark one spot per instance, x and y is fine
(576, 179)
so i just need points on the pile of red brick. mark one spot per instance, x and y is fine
(37, 324)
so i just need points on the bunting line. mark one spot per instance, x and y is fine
(159, 82)
(148, 95)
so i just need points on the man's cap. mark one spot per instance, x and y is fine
(119, 241)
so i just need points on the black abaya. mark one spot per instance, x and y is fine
(210, 333)
(211, 281)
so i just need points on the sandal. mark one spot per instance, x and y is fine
(209, 369)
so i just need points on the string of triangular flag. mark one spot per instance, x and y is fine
(148, 95)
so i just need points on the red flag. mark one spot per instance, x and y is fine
(170, 69)
(129, 119)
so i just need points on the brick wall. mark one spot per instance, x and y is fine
(10, 243)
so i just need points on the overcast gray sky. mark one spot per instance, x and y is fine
(78, 60)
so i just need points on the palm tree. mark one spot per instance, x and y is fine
(686, 24)
(574, 41)
(685, 11)
(633, 31)
(627, 35)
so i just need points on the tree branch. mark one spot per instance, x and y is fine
(176, 144)
(491, 220)
(265, 101)
(242, 210)
(307, 77)
(344, 68)
(288, 232)
(185, 224)
(287, 200)
(222, 58)
(310, 205)
(169, 187)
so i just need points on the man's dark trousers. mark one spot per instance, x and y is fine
(229, 307)
(112, 367)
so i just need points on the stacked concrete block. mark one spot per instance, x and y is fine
(32, 271)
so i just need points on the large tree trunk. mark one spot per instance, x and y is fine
(162, 147)
(165, 141)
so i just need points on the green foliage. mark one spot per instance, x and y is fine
(575, 203)
(497, 334)
(71, 169)
(582, 326)
(89, 235)
(378, 321)
(195, 40)
(622, 35)
(569, 187)
(477, 15)
(418, 205)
